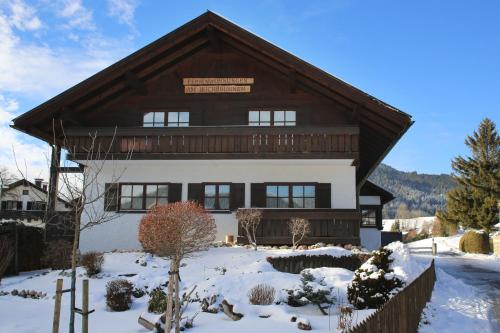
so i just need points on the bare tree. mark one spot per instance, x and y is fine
(299, 228)
(88, 195)
(6, 254)
(249, 219)
(176, 231)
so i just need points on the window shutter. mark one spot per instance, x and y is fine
(4, 205)
(30, 205)
(174, 192)
(196, 193)
(237, 196)
(111, 197)
(258, 196)
(19, 205)
(323, 195)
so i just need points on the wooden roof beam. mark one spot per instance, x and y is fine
(136, 83)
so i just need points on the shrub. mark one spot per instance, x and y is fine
(261, 294)
(119, 294)
(157, 301)
(92, 261)
(57, 254)
(475, 242)
(374, 282)
(299, 228)
(313, 291)
(249, 220)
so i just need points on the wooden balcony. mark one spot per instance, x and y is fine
(238, 142)
(327, 225)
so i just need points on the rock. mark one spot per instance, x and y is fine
(14, 292)
(303, 324)
(264, 315)
(348, 246)
(293, 319)
(302, 247)
(284, 247)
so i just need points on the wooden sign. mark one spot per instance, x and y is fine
(196, 81)
(216, 89)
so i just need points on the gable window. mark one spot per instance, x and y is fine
(284, 118)
(154, 119)
(271, 118)
(290, 196)
(217, 196)
(259, 118)
(26, 192)
(368, 217)
(178, 119)
(142, 196)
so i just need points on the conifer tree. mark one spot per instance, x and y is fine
(473, 203)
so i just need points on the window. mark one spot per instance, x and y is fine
(290, 196)
(12, 205)
(274, 118)
(142, 196)
(178, 119)
(154, 119)
(284, 118)
(36, 205)
(217, 196)
(26, 192)
(259, 118)
(368, 217)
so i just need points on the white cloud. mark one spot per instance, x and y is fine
(123, 10)
(77, 15)
(23, 16)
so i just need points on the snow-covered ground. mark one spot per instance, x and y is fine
(230, 273)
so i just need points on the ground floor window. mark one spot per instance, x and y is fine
(369, 216)
(216, 196)
(36, 205)
(12, 205)
(142, 196)
(290, 196)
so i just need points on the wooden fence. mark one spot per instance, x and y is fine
(401, 314)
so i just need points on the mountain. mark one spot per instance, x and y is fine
(422, 194)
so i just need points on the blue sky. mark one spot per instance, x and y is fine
(436, 60)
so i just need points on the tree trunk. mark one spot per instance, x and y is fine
(254, 239)
(74, 261)
(177, 302)
(170, 295)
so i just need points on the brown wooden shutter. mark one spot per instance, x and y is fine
(174, 192)
(111, 197)
(323, 195)
(258, 195)
(196, 193)
(237, 196)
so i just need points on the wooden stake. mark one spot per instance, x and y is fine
(57, 306)
(85, 306)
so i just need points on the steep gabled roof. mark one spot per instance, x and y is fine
(370, 188)
(25, 182)
(381, 125)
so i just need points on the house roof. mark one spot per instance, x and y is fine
(25, 182)
(370, 188)
(381, 125)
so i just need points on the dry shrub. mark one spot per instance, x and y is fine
(261, 294)
(119, 294)
(57, 254)
(475, 242)
(249, 219)
(6, 254)
(299, 228)
(345, 318)
(92, 261)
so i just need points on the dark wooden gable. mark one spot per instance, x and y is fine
(162, 63)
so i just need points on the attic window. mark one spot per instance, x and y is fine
(154, 119)
(178, 119)
(271, 118)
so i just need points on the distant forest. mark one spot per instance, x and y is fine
(415, 194)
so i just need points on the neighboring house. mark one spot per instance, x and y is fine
(215, 114)
(25, 201)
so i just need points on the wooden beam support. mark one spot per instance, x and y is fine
(135, 83)
(53, 180)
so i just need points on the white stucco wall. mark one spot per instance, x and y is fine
(370, 238)
(122, 232)
(16, 194)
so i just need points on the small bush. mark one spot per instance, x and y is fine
(138, 292)
(475, 242)
(119, 294)
(261, 294)
(374, 282)
(157, 301)
(57, 254)
(313, 291)
(92, 261)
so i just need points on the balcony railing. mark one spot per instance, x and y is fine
(224, 142)
(326, 225)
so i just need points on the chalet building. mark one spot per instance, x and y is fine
(25, 201)
(212, 113)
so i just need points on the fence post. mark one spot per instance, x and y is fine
(85, 306)
(434, 248)
(57, 306)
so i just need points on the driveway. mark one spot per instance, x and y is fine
(478, 273)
